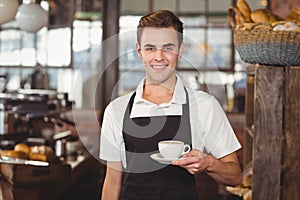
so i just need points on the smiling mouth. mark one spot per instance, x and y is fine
(159, 66)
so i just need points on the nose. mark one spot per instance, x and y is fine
(159, 55)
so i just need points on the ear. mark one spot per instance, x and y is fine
(181, 49)
(138, 49)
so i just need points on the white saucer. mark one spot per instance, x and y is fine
(159, 158)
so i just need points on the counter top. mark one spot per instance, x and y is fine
(46, 191)
(85, 166)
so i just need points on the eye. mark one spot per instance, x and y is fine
(149, 48)
(168, 48)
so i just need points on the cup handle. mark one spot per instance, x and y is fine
(186, 148)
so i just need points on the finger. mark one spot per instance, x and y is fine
(186, 161)
(196, 167)
(181, 162)
(193, 168)
(202, 155)
(193, 152)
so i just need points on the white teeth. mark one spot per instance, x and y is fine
(158, 67)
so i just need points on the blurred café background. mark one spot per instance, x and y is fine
(63, 61)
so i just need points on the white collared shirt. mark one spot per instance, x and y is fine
(143, 108)
(210, 129)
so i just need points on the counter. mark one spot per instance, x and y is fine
(80, 167)
(87, 173)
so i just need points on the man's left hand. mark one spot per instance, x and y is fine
(194, 161)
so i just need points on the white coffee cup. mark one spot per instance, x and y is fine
(172, 148)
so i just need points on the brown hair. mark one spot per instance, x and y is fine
(160, 19)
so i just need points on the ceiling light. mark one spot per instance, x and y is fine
(31, 17)
(8, 10)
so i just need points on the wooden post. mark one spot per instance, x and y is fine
(109, 69)
(291, 152)
(267, 141)
(249, 117)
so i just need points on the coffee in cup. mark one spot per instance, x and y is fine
(173, 148)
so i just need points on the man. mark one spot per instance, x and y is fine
(161, 108)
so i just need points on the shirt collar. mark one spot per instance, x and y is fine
(179, 96)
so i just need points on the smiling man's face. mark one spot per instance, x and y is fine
(159, 51)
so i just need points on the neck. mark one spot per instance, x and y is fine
(159, 92)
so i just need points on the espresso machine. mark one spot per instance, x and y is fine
(31, 114)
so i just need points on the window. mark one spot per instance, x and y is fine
(70, 46)
(208, 63)
(58, 51)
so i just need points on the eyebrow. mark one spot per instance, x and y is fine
(164, 45)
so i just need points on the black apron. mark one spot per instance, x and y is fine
(145, 178)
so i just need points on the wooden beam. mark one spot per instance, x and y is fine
(268, 137)
(291, 153)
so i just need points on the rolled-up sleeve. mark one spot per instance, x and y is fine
(109, 141)
(220, 138)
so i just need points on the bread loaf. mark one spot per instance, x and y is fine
(248, 195)
(38, 156)
(11, 153)
(239, 190)
(41, 153)
(23, 149)
(245, 10)
(264, 15)
(293, 15)
(235, 16)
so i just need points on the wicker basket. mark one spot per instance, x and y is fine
(259, 44)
